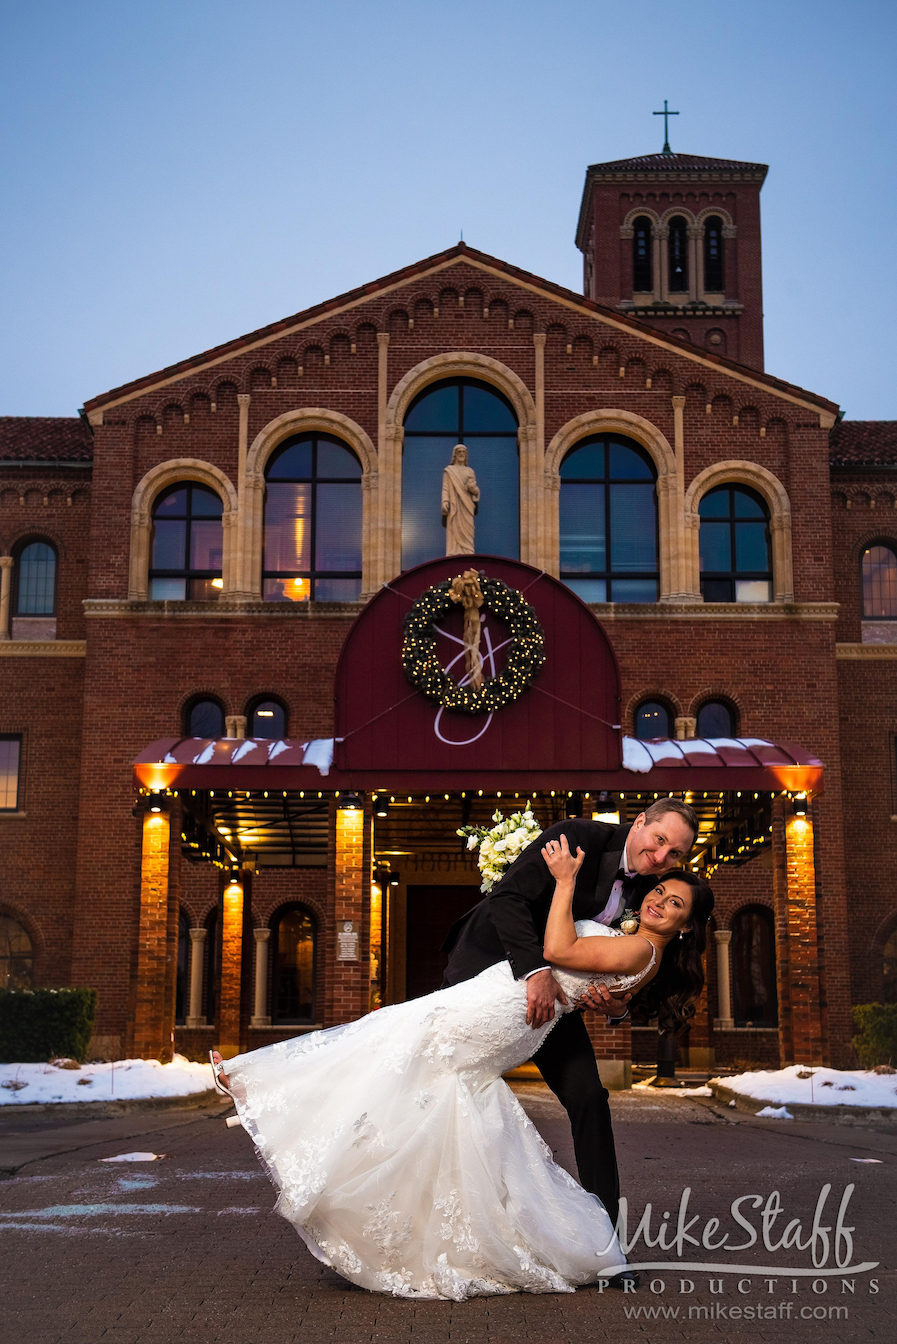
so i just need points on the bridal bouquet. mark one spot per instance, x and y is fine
(500, 844)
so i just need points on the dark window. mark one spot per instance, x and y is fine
(205, 719)
(715, 720)
(754, 999)
(608, 515)
(678, 255)
(734, 546)
(187, 545)
(312, 522)
(713, 255)
(880, 583)
(268, 720)
(889, 970)
(293, 997)
(10, 758)
(460, 410)
(212, 967)
(16, 955)
(36, 587)
(182, 982)
(652, 720)
(642, 268)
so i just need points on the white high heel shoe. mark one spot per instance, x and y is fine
(232, 1120)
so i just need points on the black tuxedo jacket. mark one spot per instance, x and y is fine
(509, 923)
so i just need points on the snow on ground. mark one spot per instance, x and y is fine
(124, 1080)
(810, 1086)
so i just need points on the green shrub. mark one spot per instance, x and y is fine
(40, 1024)
(876, 1042)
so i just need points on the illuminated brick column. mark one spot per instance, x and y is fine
(797, 946)
(231, 969)
(149, 1037)
(349, 995)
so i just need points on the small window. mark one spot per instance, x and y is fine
(678, 255)
(181, 989)
(187, 545)
(608, 521)
(754, 998)
(713, 255)
(715, 719)
(205, 719)
(36, 586)
(293, 997)
(268, 720)
(10, 758)
(16, 955)
(879, 583)
(642, 268)
(652, 720)
(734, 546)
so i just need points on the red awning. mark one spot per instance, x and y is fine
(664, 765)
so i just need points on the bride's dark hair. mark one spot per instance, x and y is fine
(671, 995)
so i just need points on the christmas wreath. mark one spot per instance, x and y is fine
(525, 655)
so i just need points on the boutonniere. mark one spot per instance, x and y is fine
(630, 921)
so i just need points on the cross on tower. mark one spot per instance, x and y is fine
(666, 114)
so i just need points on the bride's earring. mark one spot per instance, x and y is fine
(681, 933)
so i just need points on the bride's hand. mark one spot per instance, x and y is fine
(562, 865)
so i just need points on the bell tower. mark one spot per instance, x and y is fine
(674, 240)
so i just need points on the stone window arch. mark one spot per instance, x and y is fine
(187, 544)
(184, 469)
(774, 495)
(734, 545)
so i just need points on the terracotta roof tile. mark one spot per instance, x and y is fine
(657, 163)
(45, 438)
(864, 443)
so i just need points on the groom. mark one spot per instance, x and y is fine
(622, 864)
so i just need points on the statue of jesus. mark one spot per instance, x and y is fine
(460, 499)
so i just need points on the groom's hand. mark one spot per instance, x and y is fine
(542, 992)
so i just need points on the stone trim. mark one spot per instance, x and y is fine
(170, 473)
(842, 651)
(776, 496)
(43, 648)
(116, 607)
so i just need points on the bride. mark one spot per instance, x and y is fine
(401, 1157)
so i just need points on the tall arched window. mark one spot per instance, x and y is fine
(753, 950)
(16, 955)
(460, 410)
(187, 545)
(181, 986)
(642, 268)
(678, 255)
(312, 522)
(736, 558)
(715, 719)
(879, 583)
(652, 719)
(36, 586)
(713, 255)
(293, 988)
(268, 720)
(608, 521)
(205, 718)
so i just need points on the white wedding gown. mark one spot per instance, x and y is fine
(406, 1163)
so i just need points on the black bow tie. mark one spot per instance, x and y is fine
(630, 883)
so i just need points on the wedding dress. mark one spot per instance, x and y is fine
(406, 1163)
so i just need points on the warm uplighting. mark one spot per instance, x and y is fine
(800, 805)
(613, 818)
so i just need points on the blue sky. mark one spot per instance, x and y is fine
(177, 173)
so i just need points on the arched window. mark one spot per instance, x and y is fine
(608, 517)
(753, 950)
(181, 987)
(678, 255)
(879, 583)
(713, 255)
(312, 522)
(715, 719)
(16, 955)
(642, 268)
(293, 988)
(889, 970)
(736, 563)
(205, 718)
(652, 719)
(187, 545)
(268, 720)
(36, 586)
(460, 410)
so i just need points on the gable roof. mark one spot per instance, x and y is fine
(45, 438)
(461, 252)
(863, 443)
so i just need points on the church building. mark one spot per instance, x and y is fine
(241, 721)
